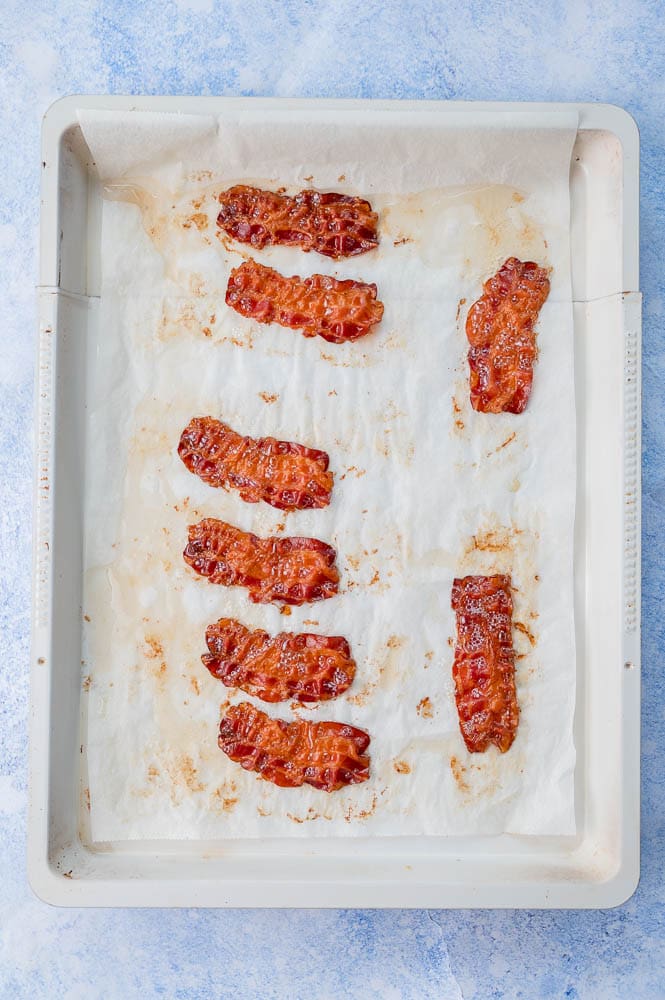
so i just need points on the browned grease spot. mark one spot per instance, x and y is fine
(281, 526)
(237, 342)
(459, 773)
(493, 540)
(285, 610)
(402, 767)
(387, 673)
(309, 815)
(185, 773)
(197, 286)
(354, 813)
(184, 506)
(517, 197)
(424, 708)
(269, 397)
(462, 302)
(342, 177)
(525, 630)
(359, 473)
(429, 655)
(504, 444)
(305, 706)
(87, 682)
(198, 219)
(333, 392)
(194, 684)
(354, 562)
(159, 674)
(153, 772)
(457, 409)
(395, 641)
(363, 361)
(86, 798)
(402, 241)
(222, 799)
(309, 179)
(528, 233)
(207, 332)
(310, 621)
(375, 578)
(86, 618)
(154, 647)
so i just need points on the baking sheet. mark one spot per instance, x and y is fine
(425, 488)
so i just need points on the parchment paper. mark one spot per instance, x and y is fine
(425, 489)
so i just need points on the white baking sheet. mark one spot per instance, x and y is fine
(425, 489)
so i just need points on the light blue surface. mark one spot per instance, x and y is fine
(611, 52)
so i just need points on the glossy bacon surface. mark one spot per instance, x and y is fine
(484, 665)
(335, 225)
(283, 570)
(500, 330)
(305, 667)
(283, 474)
(318, 306)
(326, 755)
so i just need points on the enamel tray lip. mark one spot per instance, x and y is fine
(168, 875)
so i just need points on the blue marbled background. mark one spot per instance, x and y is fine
(600, 51)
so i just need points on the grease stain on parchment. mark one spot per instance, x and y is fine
(383, 673)
(496, 226)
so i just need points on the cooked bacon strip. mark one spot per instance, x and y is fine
(286, 475)
(326, 755)
(335, 225)
(319, 306)
(305, 667)
(484, 666)
(284, 570)
(500, 330)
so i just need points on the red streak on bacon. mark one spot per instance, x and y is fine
(500, 330)
(305, 667)
(284, 570)
(484, 665)
(335, 225)
(285, 475)
(318, 306)
(326, 755)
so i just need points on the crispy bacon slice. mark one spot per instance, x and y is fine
(326, 755)
(500, 330)
(305, 667)
(284, 570)
(319, 306)
(335, 225)
(484, 666)
(286, 475)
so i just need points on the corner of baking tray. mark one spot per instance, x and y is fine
(59, 116)
(614, 119)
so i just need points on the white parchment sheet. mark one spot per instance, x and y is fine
(425, 489)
